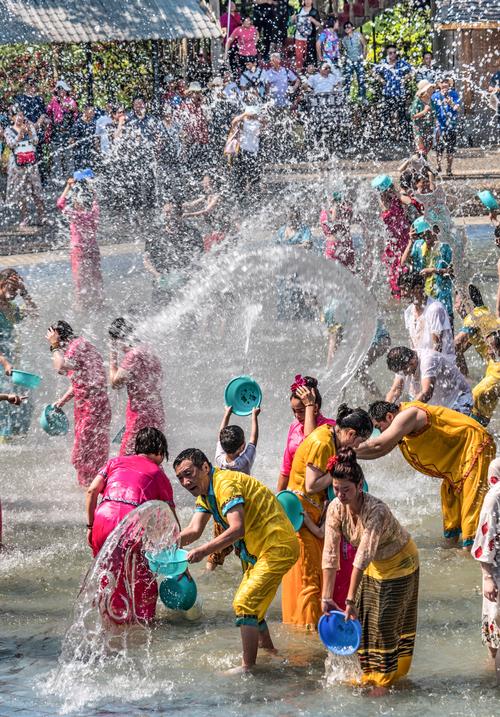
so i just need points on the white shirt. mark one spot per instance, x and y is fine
(250, 136)
(321, 84)
(101, 131)
(433, 320)
(450, 386)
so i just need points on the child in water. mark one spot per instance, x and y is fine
(83, 215)
(233, 454)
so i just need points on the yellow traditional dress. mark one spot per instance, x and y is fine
(301, 588)
(477, 325)
(458, 450)
(267, 550)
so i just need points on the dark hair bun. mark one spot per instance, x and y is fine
(343, 411)
(311, 382)
(347, 456)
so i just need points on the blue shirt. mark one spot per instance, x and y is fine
(393, 76)
(446, 114)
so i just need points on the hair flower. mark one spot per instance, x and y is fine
(298, 382)
(332, 462)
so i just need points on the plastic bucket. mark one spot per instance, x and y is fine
(338, 635)
(382, 182)
(23, 378)
(293, 508)
(170, 562)
(242, 394)
(178, 593)
(488, 199)
(54, 421)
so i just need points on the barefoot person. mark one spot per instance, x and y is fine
(82, 363)
(126, 482)
(383, 590)
(252, 520)
(301, 591)
(486, 550)
(440, 443)
(141, 372)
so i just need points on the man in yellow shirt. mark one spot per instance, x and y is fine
(254, 522)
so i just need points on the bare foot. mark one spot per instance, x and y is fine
(377, 692)
(241, 670)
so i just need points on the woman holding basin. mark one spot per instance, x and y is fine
(384, 582)
(302, 585)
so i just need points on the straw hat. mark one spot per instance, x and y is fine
(422, 87)
(194, 87)
(217, 82)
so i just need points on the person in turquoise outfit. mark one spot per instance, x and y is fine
(434, 260)
(14, 419)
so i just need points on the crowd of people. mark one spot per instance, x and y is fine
(351, 553)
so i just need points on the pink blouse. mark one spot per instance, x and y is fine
(295, 438)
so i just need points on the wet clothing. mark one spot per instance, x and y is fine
(14, 420)
(294, 439)
(486, 549)
(92, 411)
(438, 257)
(433, 320)
(144, 379)
(487, 392)
(458, 450)
(398, 228)
(130, 481)
(268, 548)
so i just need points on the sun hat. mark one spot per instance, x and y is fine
(194, 87)
(422, 87)
(61, 85)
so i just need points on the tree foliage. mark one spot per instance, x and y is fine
(406, 25)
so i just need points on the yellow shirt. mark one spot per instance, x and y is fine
(314, 450)
(477, 325)
(448, 446)
(266, 524)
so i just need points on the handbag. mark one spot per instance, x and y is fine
(232, 146)
(24, 154)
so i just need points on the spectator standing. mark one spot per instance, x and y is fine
(265, 20)
(246, 36)
(328, 43)
(142, 133)
(194, 133)
(85, 141)
(426, 71)
(354, 47)
(247, 165)
(446, 105)
(307, 21)
(62, 111)
(30, 103)
(392, 74)
(252, 81)
(422, 118)
(23, 177)
(494, 89)
(278, 79)
(229, 21)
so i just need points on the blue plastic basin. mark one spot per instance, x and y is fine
(23, 378)
(178, 593)
(54, 421)
(338, 635)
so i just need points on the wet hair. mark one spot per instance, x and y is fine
(121, 329)
(346, 467)
(407, 179)
(378, 410)
(197, 457)
(475, 295)
(310, 383)
(399, 358)
(410, 280)
(330, 21)
(6, 274)
(231, 438)
(151, 440)
(83, 194)
(355, 418)
(64, 330)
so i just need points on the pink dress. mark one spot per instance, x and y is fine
(398, 226)
(145, 406)
(92, 411)
(347, 551)
(130, 481)
(247, 41)
(337, 232)
(85, 255)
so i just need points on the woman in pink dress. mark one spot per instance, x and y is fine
(398, 227)
(85, 256)
(141, 372)
(83, 364)
(335, 223)
(246, 36)
(305, 401)
(126, 482)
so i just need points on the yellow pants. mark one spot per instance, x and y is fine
(261, 581)
(487, 391)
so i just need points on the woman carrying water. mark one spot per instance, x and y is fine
(13, 422)
(82, 363)
(383, 590)
(126, 482)
(141, 372)
(302, 585)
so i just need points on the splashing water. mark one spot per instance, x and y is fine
(251, 315)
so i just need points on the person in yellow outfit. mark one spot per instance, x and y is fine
(443, 444)
(479, 323)
(383, 588)
(301, 588)
(254, 522)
